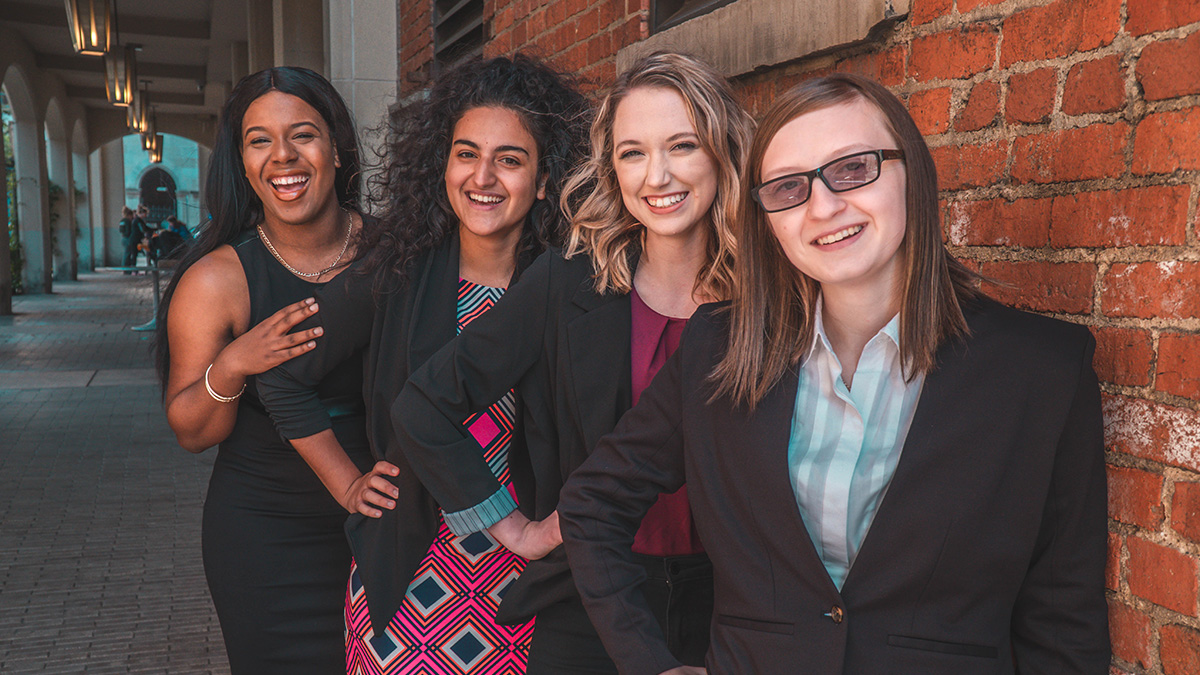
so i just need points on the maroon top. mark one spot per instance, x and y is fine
(667, 528)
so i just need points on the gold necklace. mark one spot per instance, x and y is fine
(309, 275)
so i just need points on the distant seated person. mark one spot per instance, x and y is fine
(175, 225)
(169, 241)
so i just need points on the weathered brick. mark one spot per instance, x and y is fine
(1031, 96)
(1185, 510)
(1148, 216)
(1179, 651)
(924, 11)
(1060, 28)
(1167, 141)
(981, 109)
(954, 53)
(1168, 69)
(1112, 564)
(1131, 633)
(1123, 355)
(965, 6)
(999, 222)
(971, 165)
(1153, 290)
(1095, 86)
(1154, 431)
(891, 65)
(930, 109)
(1149, 16)
(1135, 497)
(1042, 286)
(1163, 575)
(1179, 364)
(1095, 151)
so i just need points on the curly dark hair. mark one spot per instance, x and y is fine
(409, 192)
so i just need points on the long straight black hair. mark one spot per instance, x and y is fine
(233, 205)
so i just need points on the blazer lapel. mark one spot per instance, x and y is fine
(766, 439)
(910, 502)
(434, 319)
(598, 344)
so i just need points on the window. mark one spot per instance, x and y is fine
(667, 13)
(457, 31)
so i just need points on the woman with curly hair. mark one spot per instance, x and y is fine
(582, 334)
(283, 191)
(469, 194)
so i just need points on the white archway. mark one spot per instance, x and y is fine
(29, 153)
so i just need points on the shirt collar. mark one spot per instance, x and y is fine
(891, 330)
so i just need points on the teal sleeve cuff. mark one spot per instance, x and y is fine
(482, 515)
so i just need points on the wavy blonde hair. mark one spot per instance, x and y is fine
(601, 226)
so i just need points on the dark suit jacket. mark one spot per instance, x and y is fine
(399, 330)
(988, 547)
(566, 350)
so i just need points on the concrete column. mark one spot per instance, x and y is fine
(112, 168)
(33, 206)
(60, 217)
(203, 158)
(261, 34)
(83, 221)
(5, 262)
(98, 209)
(239, 59)
(300, 34)
(362, 61)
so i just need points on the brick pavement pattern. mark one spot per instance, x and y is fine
(100, 567)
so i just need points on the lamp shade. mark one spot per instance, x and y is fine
(120, 75)
(92, 26)
(138, 113)
(149, 133)
(156, 149)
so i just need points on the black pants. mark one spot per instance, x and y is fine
(680, 594)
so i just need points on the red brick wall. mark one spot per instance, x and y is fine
(1067, 138)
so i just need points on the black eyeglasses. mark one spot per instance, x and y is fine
(841, 175)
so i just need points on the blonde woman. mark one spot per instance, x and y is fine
(581, 335)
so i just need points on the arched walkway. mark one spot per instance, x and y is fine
(156, 190)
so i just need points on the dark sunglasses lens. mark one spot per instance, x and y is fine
(783, 193)
(852, 172)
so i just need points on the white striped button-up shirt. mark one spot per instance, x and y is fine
(846, 441)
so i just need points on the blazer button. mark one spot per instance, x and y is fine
(836, 614)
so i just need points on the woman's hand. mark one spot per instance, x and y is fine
(372, 490)
(685, 670)
(268, 344)
(530, 539)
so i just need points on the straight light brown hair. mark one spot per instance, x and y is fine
(603, 228)
(771, 316)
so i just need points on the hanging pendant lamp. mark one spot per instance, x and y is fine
(120, 74)
(156, 149)
(93, 26)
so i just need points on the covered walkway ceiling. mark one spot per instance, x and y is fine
(188, 49)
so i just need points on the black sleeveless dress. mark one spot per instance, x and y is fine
(275, 554)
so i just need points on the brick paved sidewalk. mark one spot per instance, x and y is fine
(100, 568)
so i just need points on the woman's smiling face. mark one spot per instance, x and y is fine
(851, 239)
(492, 173)
(668, 180)
(289, 158)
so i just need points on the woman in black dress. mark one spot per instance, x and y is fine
(283, 190)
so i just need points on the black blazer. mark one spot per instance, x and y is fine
(988, 549)
(400, 331)
(566, 350)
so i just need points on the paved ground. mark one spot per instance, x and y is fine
(100, 567)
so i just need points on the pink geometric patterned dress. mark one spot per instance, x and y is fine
(446, 625)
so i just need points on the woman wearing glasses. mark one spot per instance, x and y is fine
(891, 472)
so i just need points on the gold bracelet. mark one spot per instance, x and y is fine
(217, 397)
